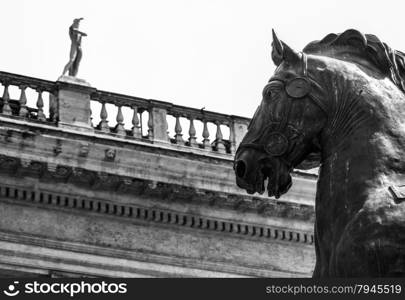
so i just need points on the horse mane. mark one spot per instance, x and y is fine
(369, 47)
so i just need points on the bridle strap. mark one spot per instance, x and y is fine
(261, 148)
(304, 65)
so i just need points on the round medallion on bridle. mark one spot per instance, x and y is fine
(277, 144)
(298, 87)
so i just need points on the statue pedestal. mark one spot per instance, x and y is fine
(73, 80)
(74, 103)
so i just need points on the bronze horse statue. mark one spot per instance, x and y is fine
(339, 104)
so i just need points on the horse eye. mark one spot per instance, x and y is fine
(272, 90)
(267, 93)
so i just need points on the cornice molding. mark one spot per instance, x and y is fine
(53, 200)
(103, 181)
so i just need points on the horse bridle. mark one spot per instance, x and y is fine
(277, 143)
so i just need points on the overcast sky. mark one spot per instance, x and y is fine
(195, 53)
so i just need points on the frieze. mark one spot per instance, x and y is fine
(18, 135)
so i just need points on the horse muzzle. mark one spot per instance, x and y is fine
(249, 175)
(253, 169)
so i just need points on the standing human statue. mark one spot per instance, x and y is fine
(75, 48)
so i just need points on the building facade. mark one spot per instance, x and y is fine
(94, 183)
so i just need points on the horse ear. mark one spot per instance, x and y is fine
(290, 55)
(281, 51)
(277, 52)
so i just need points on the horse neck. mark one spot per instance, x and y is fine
(364, 140)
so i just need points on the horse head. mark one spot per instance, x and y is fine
(343, 99)
(286, 126)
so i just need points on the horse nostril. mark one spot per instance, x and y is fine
(240, 168)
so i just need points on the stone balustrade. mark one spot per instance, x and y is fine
(150, 121)
(69, 105)
(42, 108)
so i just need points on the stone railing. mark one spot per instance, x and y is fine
(162, 122)
(84, 108)
(31, 98)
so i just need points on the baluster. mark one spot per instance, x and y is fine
(136, 129)
(191, 132)
(206, 135)
(103, 125)
(91, 117)
(23, 102)
(6, 98)
(150, 125)
(141, 115)
(167, 130)
(219, 143)
(40, 106)
(177, 128)
(232, 138)
(53, 107)
(119, 128)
